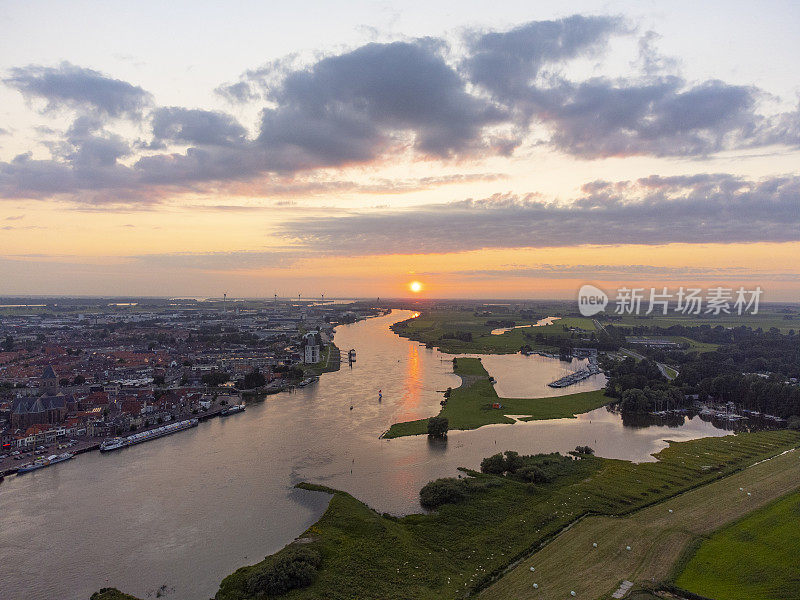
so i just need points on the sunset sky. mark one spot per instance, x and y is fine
(498, 150)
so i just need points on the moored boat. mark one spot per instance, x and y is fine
(232, 410)
(41, 463)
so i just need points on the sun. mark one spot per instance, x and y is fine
(415, 286)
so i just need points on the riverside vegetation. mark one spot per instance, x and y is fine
(489, 522)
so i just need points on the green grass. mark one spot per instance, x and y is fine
(431, 326)
(461, 548)
(766, 318)
(470, 406)
(756, 557)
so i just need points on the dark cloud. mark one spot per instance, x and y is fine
(193, 126)
(78, 88)
(348, 108)
(601, 117)
(507, 63)
(704, 209)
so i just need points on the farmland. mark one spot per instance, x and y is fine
(657, 538)
(755, 557)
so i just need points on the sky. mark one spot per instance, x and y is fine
(486, 150)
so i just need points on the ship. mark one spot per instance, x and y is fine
(146, 436)
(231, 410)
(41, 463)
(351, 356)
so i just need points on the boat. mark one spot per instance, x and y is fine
(232, 410)
(41, 463)
(146, 436)
(112, 444)
(308, 381)
(351, 355)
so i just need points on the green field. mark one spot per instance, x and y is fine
(757, 557)
(766, 319)
(470, 406)
(433, 326)
(463, 547)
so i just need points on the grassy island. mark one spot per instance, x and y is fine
(471, 405)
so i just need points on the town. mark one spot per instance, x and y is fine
(75, 374)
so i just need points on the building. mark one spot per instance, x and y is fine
(312, 342)
(49, 381)
(26, 412)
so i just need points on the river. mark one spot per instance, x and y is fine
(186, 510)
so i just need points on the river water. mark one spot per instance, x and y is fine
(186, 510)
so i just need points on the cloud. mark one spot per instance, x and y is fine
(601, 117)
(348, 107)
(714, 208)
(418, 99)
(193, 126)
(618, 272)
(507, 63)
(78, 88)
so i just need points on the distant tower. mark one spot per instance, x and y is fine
(224, 298)
(49, 384)
(276, 298)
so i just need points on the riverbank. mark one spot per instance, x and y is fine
(463, 547)
(475, 403)
(465, 332)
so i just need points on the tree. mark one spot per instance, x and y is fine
(215, 378)
(79, 380)
(438, 426)
(254, 379)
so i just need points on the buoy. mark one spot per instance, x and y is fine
(627, 547)
(594, 545)
(351, 407)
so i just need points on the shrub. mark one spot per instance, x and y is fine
(291, 569)
(448, 490)
(794, 422)
(494, 464)
(584, 450)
